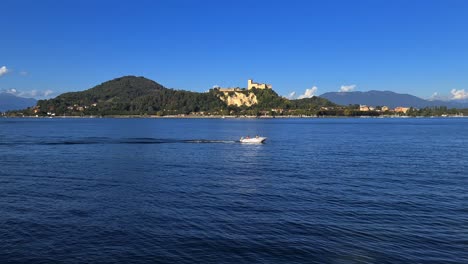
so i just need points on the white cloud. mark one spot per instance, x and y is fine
(437, 96)
(3, 70)
(347, 88)
(48, 92)
(24, 73)
(309, 93)
(11, 91)
(291, 96)
(459, 94)
(32, 93)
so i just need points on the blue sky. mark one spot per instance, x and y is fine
(418, 47)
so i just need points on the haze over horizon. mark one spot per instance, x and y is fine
(302, 48)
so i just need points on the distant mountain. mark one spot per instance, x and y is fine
(12, 102)
(387, 98)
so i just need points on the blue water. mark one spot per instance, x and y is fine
(186, 191)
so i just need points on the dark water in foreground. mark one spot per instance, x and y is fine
(183, 190)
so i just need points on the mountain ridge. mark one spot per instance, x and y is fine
(10, 102)
(387, 98)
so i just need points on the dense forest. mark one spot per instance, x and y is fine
(129, 95)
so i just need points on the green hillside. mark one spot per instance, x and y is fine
(132, 95)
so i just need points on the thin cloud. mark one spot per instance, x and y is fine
(291, 96)
(309, 93)
(459, 94)
(437, 96)
(38, 94)
(47, 93)
(3, 70)
(347, 88)
(434, 96)
(11, 91)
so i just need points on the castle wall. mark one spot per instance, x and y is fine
(229, 89)
(251, 84)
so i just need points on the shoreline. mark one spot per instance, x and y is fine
(225, 117)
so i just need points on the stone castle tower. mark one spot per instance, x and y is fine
(251, 84)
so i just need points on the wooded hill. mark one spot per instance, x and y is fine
(131, 95)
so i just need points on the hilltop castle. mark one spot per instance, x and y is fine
(251, 84)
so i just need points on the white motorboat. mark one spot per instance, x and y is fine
(255, 140)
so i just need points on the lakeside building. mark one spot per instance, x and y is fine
(401, 109)
(251, 84)
(364, 108)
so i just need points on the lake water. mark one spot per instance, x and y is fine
(186, 191)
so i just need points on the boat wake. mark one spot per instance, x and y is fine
(104, 141)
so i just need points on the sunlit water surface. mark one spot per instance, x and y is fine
(185, 190)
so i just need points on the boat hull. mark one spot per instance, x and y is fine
(255, 140)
